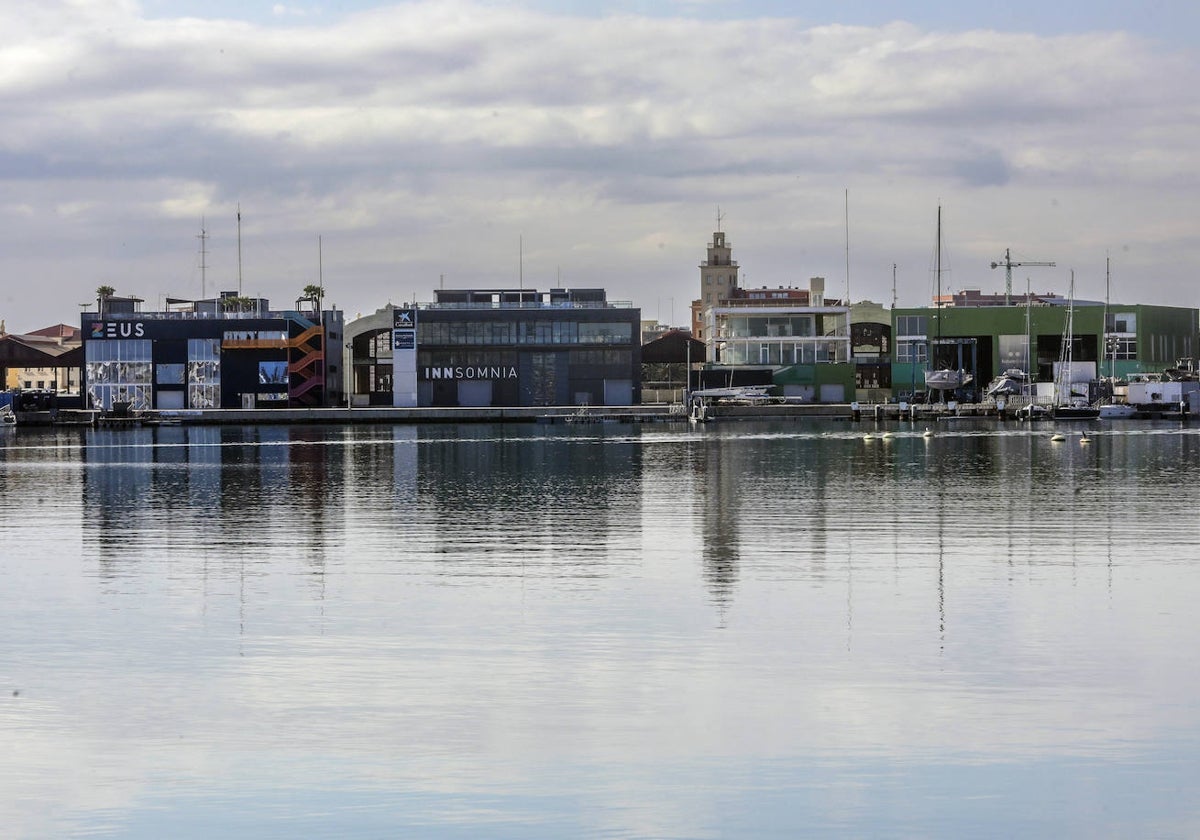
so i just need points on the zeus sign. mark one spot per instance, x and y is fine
(117, 329)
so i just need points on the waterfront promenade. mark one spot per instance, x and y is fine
(514, 414)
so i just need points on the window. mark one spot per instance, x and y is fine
(911, 352)
(204, 373)
(1121, 322)
(170, 374)
(119, 370)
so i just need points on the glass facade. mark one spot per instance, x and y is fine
(119, 371)
(772, 326)
(775, 353)
(525, 332)
(204, 373)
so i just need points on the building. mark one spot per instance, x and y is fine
(49, 363)
(789, 337)
(1117, 340)
(225, 352)
(498, 347)
(718, 280)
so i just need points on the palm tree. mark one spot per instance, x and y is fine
(314, 294)
(103, 293)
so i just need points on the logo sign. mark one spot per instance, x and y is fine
(470, 372)
(404, 340)
(404, 319)
(117, 329)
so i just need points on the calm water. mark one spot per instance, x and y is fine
(604, 631)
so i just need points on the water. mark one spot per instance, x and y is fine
(599, 631)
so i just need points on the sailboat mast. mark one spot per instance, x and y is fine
(1112, 359)
(937, 270)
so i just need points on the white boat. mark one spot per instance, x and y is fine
(1117, 411)
(946, 380)
(1012, 381)
(7, 418)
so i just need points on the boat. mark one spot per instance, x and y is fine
(1117, 411)
(8, 419)
(942, 379)
(1112, 410)
(947, 379)
(1068, 404)
(1033, 411)
(1012, 381)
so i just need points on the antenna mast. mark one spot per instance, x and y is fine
(239, 226)
(203, 237)
(847, 246)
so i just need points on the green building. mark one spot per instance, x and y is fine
(986, 340)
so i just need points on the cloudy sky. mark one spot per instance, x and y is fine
(392, 147)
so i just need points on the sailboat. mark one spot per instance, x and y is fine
(1112, 410)
(943, 379)
(1067, 404)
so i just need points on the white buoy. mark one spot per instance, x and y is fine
(928, 432)
(1084, 439)
(1057, 437)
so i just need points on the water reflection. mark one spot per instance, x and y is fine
(743, 630)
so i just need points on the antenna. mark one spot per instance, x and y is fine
(893, 285)
(847, 201)
(720, 216)
(521, 262)
(203, 237)
(239, 220)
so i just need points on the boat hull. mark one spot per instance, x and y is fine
(1072, 412)
(946, 380)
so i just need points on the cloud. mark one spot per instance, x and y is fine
(458, 122)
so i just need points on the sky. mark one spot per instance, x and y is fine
(387, 149)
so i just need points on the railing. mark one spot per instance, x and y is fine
(533, 305)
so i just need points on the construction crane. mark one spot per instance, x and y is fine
(1008, 267)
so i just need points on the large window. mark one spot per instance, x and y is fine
(606, 333)
(204, 373)
(119, 371)
(1121, 322)
(777, 326)
(911, 352)
(912, 325)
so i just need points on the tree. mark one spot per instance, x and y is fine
(103, 293)
(314, 294)
(237, 303)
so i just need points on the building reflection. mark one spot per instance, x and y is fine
(501, 501)
(210, 494)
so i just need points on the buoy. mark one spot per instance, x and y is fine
(1083, 438)
(887, 435)
(868, 437)
(928, 432)
(1056, 437)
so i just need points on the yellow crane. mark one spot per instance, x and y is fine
(1008, 267)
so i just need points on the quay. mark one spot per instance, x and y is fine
(660, 413)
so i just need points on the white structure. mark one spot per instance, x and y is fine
(775, 333)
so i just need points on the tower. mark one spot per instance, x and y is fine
(718, 279)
